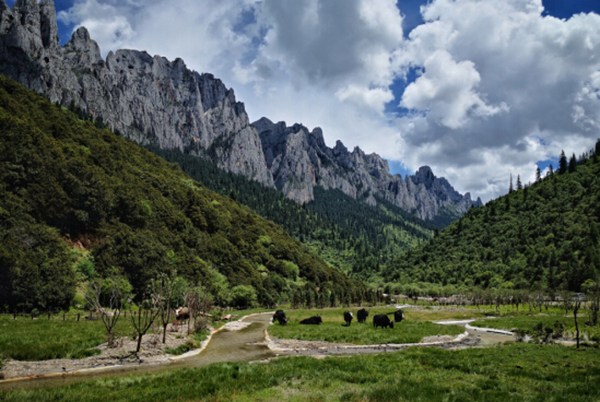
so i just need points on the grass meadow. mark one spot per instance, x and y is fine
(412, 329)
(511, 372)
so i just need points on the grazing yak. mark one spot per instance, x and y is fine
(382, 321)
(182, 314)
(280, 316)
(348, 317)
(398, 316)
(362, 315)
(316, 320)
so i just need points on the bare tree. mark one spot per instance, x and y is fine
(165, 287)
(108, 306)
(147, 313)
(200, 301)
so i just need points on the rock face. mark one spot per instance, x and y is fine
(152, 100)
(148, 99)
(299, 160)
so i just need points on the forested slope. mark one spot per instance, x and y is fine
(64, 182)
(546, 234)
(345, 232)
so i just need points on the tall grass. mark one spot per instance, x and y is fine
(41, 339)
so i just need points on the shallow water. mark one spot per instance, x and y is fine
(225, 346)
(245, 345)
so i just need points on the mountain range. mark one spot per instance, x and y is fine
(154, 101)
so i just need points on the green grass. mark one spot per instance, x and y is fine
(524, 322)
(527, 323)
(193, 343)
(512, 372)
(40, 339)
(410, 330)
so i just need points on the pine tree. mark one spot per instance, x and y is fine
(510, 186)
(519, 184)
(597, 147)
(562, 163)
(538, 174)
(572, 164)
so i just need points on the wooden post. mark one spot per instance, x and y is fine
(14, 316)
(64, 317)
(90, 315)
(78, 314)
(48, 316)
(32, 315)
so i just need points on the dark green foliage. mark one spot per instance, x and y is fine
(343, 231)
(572, 164)
(512, 372)
(63, 180)
(562, 163)
(545, 233)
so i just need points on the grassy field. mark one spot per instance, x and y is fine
(410, 330)
(512, 372)
(40, 339)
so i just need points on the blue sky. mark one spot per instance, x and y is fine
(476, 89)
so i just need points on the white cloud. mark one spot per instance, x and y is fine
(500, 87)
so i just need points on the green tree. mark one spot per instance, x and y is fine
(243, 296)
(562, 163)
(572, 164)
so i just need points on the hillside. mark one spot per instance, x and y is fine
(546, 234)
(343, 231)
(65, 183)
(163, 103)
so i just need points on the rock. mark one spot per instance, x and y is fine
(150, 100)
(299, 160)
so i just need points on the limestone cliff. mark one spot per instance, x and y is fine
(152, 100)
(299, 160)
(148, 99)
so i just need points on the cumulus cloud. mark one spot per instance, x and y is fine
(499, 80)
(500, 86)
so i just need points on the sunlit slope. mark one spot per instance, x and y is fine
(65, 182)
(543, 235)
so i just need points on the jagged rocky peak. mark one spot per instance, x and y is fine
(424, 176)
(148, 99)
(299, 160)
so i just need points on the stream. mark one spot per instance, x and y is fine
(244, 345)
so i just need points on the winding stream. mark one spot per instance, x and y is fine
(244, 345)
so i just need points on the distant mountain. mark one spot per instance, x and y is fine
(299, 161)
(544, 235)
(66, 185)
(345, 232)
(152, 100)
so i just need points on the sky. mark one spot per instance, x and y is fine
(475, 89)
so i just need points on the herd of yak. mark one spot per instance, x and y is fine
(381, 320)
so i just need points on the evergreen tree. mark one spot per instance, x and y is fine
(572, 164)
(562, 163)
(510, 186)
(519, 184)
(538, 174)
(597, 150)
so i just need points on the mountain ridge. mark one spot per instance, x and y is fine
(152, 100)
(299, 160)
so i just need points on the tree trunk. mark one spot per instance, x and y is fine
(139, 344)
(165, 332)
(576, 326)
